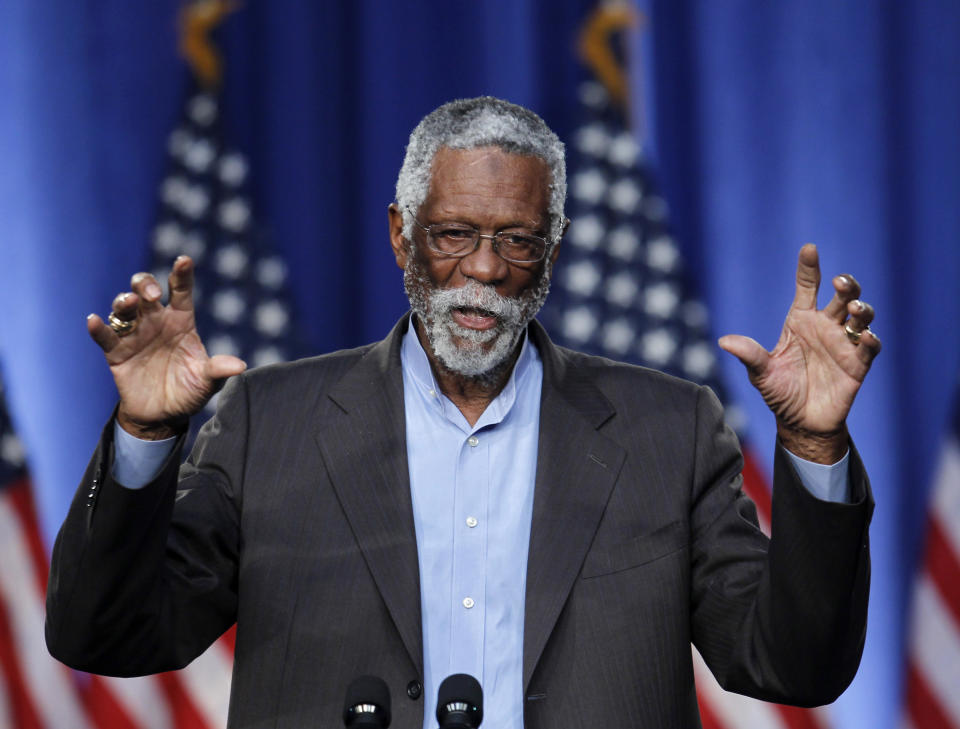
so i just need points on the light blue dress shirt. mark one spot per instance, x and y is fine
(472, 493)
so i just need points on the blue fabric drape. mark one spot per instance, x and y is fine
(782, 123)
(771, 124)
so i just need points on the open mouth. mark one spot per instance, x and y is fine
(472, 317)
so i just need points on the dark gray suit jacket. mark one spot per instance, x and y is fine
(293, 518)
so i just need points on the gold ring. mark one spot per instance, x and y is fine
(122, 327)
(852, 334)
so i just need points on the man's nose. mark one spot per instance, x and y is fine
(484, 264)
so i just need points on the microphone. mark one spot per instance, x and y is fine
(460, 702)
(367, 705)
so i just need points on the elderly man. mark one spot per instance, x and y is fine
(464, 496)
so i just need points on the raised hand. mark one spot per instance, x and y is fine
(160, 366)
(812, 376)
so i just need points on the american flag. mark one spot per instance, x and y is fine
(35, 690)
(933, 664)
(38, 692)
(243, 306)
(623, 292)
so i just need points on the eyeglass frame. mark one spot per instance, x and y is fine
(494, 240)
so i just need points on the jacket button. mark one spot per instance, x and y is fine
(414, 689)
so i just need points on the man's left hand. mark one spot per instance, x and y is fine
(812, 376)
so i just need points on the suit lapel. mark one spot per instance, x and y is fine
(363, 442)
(576, 470)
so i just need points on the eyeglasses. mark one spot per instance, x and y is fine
(458, 240)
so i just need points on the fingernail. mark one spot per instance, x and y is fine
(90, 316)
(859, 304)
(153, 291)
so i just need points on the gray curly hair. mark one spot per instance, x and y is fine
(470, 124)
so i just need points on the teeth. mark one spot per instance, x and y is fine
(473, 311)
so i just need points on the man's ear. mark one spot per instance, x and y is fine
(556, 246)
(399, 244)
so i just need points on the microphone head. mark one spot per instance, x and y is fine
(460, 702)
(367, 703)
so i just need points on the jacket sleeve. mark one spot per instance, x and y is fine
(783, 621)
(143, 580)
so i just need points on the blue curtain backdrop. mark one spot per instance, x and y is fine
(771, 124)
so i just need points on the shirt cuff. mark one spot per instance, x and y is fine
(827, 483)
(137, 462)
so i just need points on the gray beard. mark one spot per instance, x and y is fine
(474, 354)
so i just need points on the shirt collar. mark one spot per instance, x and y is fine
(416, 365)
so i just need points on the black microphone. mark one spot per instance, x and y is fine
(460, 702)
(367, 705)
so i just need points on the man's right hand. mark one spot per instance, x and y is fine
(161, 368)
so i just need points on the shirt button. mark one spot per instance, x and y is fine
(433, 393)
(468, 602)
(471, 521)
(474, 441)
(414, 689)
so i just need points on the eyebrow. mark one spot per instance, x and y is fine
(540, 229)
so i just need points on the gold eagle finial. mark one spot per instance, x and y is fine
(197, 20)
(595, 49)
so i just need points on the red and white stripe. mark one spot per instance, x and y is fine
(6, 713)
(206, 682)
(721, 709)
(38, 692)
(757, 488)
(933, 666)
